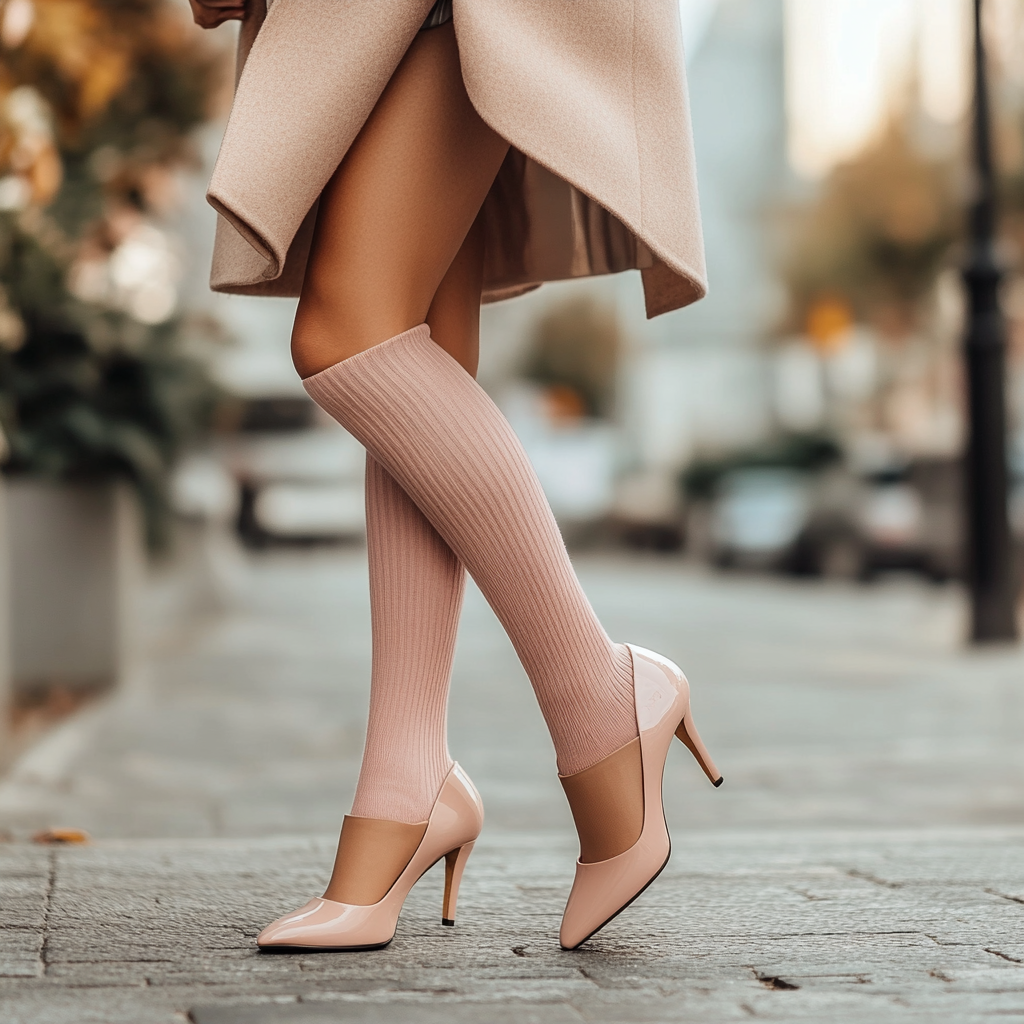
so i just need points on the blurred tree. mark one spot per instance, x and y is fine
(575, 352)
(97, 102)
(123, 82)
(874, 240)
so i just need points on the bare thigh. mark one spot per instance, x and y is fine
(393, 245)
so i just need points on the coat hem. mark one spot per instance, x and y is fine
(697, 282)
(676, 279)
(243, 224)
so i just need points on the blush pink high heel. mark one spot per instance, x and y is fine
(452, 828)
(603, 889)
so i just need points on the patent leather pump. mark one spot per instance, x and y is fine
(452, 828)
(603, 889)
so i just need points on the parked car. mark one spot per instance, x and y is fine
(904, 517)
(757, 516)
(300, 486)
(837, 523)
(299, 475)
(750, 508)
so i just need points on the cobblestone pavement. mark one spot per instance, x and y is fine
(782, 926)
(864, 860)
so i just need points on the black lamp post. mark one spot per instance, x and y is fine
(988, 548)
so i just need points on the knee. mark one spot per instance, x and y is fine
(314, 344)
(331, 327)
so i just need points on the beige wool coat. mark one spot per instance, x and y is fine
(591, 95)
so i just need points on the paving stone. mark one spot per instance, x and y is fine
(25, 886)
(863, 862)
(387, 1013)
(704, 943)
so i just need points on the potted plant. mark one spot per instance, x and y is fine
(97, 392)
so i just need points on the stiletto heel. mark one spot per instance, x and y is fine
(603, 889)
(454, 865)
(687, 733)
(454, 824)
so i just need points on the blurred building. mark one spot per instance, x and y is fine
(698, 381)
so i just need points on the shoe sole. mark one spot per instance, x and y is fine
(322, 949)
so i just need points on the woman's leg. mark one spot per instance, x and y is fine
(391, 222)
(416, 588)
(397, 211)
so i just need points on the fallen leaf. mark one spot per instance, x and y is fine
(61, 835)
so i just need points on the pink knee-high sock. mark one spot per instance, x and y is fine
(442, 439)
(416, 588)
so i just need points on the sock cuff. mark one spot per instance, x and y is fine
(314, 382)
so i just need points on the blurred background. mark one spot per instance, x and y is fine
(806, 420)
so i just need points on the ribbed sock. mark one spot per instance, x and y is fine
(443, 440)
(416, 589)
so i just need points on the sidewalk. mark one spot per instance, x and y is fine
(863, 861)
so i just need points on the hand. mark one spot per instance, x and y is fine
(211, 13)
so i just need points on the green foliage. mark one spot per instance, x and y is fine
(91, 394)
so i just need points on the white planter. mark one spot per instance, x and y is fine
(75, 569)
(5, 636)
